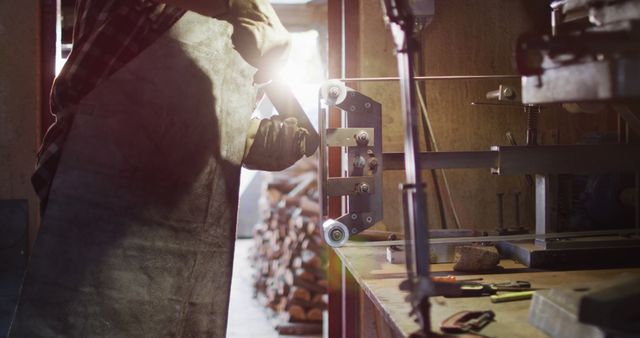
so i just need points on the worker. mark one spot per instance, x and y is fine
(139, 176)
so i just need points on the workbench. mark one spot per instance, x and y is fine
(372, 305)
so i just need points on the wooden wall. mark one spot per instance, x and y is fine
(19, 105)
(466, 37)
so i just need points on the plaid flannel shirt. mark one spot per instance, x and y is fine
(107, 34)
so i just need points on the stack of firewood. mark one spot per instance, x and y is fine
(288, 256)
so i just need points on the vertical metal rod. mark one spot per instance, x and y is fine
(543, 207)
(637, 207)
(516, 198)
(500, 210)
(343, 302)
(407, 208)
(426, 128)
(323, 166)
(413, 167)
(532, 124)
(622, 129)
(415, 212)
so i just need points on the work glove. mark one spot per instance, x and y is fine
(258, 35)
(274, 144)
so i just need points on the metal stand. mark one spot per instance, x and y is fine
(402, 22)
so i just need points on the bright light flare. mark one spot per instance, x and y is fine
(304, 65)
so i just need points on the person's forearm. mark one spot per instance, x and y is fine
(212, 8)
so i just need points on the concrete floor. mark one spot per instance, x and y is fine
(247, 318)
(14, 219)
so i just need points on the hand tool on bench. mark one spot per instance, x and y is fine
(518, 285)
(453, 279)
(512, 296)
(474, 289)
(467, 321)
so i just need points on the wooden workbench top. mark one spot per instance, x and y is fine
(379, 280)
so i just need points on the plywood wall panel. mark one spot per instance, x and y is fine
(18, 101)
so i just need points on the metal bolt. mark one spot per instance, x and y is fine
(334, 92)
(373, 164)
(367, 105)
(354, 216)
(508, 92)
(362, 137)
(352, 108)
(354, 230)
(369, 219)
(336, 235)
(363, 188)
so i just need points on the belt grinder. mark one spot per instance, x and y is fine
(361, 140)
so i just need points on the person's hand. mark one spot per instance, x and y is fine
(274, 144)
(258, 35)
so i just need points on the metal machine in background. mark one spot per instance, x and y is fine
(598, 165)
(585, 62)
(593, 54)
(590, 62)
(541, 163)
(363, 172)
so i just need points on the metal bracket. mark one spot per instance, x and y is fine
(361, 140)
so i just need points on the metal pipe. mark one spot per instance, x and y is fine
(500, 210)
(637, 206)
(324, 161)
(414, 189)
(520, 160)
(415, 208)
(445, 160)
(622, 129)
(430, 78)
(516, 198)
(503, 238)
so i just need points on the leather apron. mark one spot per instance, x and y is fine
(137, 239)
